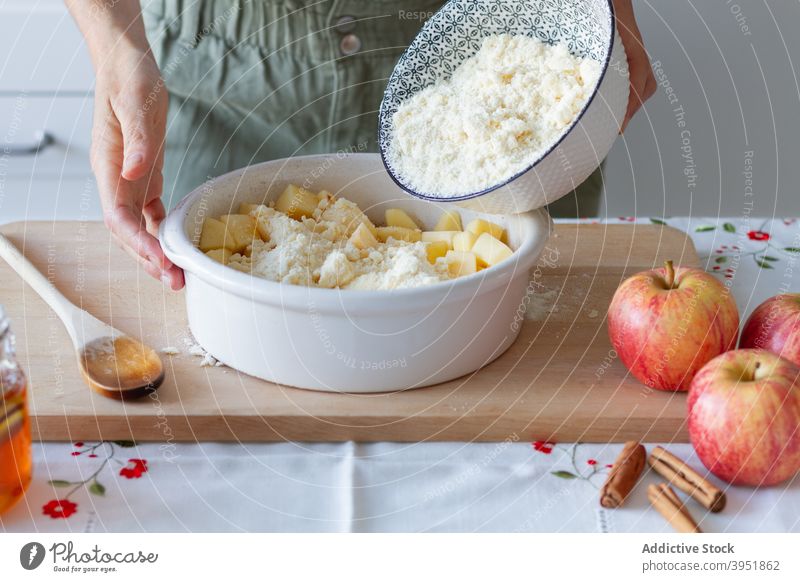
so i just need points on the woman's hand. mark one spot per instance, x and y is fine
(130, 114)
(643, 83)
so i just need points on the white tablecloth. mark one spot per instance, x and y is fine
(514, 486)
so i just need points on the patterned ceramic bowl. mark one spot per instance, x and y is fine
(456, 32)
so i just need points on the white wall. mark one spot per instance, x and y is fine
(737, 81)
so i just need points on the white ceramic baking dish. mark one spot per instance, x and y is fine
(340, 340)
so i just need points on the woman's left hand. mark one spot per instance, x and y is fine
(643, 83)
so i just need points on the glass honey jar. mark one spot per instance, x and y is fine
(15, 430)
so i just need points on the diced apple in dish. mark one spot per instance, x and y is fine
(229, 239)
(479, 226)
(397, 217)
(463, 241)
(461, 263)
(214, 236)
(325, 195)
(242, 228)
(490, 251)
(297, 202)
(247, 208)
(220, 255)
(347, 215)
(450, 220)
(398, 233)
(362, 237)
(436, 249)
(440, 235)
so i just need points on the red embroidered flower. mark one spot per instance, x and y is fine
(757, 235)
(134, 469)
(545, 447)
(591, 462)
(79, 444)
(75, 453)
(609, 466)
(59, 508)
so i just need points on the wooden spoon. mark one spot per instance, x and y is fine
(112, 363)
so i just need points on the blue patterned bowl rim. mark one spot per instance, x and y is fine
(469, 196)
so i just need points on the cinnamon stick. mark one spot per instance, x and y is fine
(670, 507)
(624, 474)
(682, 476)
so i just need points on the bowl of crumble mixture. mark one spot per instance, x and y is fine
(329, 298)
(505, 107)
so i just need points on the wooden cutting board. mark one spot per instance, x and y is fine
(560, 381)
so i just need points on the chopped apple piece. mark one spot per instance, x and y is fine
(436, 249)
(213, 236)
(297, 202)
(325, 195)
(450, 220)
(220, 255)
(461, 263)
(479, 226)
(397, 217)
(398, 233)
(242, 228)
(247, 207)
(347, 214)
(440, 235)
(262, 226)
(490, 251)
(463, 241)
(362, 237)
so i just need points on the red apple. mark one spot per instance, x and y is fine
(667, 323)
(744, 417)
(775, 326)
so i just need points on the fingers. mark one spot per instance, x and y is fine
(154, 213)
(129, 229)
(642, 81)
(642, 87)
(141, 148)
(132, 209)
(173, 277)
(142, 119)
(636, 97)
(650, 86)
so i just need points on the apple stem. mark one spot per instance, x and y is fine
(670, 275)
(758, 373)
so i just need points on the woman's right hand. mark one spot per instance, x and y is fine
(130, 116)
